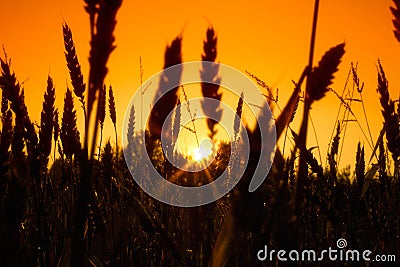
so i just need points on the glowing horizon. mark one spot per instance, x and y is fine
(266, 38)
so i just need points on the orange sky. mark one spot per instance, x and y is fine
(268, 38)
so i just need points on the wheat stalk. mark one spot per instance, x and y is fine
(168, 100)
(360, 166)
(332, 156)
(102, 114)
(316, 87)
(392, 120)
(113, 116)
(73, 65)
(46, 123)
(270, 96)
(236, 122)
(69, 132)
(13, 93)
(5, 142)
(130, 137)
(56, 132)
(322, 76)
(103, 22)
(102, 44)
(177, 124)
(209, 72)
(236, 128)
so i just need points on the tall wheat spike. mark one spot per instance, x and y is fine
(73, 65)
(382, 162)
(12, 92)
(102, 113)
(177, 124)
(322, 75)
(45, 138)
(360, 166)
(317, 85)
(166, 104)
(236, 129)
(332, 156)
(391, 119)
(102, 44)
(46, 123)
(56, 132)
(111, 105)
(69, 131)
(5, 142)
(289, 111)
(211, 90)
(9, 84)
(239, 109)
(270, 97)
(131, 130)
(113, 116)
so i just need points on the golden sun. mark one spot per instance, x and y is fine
(204, 151)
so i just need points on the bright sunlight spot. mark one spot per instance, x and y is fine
(204, 151)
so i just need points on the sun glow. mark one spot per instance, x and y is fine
(204, 151)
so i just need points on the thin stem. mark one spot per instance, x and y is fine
(116, 146)
(338, 113)
(316, 139)
(303, 168)
(366, 118)
(191, 117)
(101, 139)
(313, 34)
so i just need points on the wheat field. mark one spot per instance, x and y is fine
(67, 198)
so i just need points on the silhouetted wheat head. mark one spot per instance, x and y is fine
(69, 132)
(177, 123)
(113, 116)
(332, 156)
(270, 97)
(85, 212)
(111, 105)
(102, 43)
(46, 123)
(318, 80)
(168, 100)
(211, 90)
(73, 65)
(5, 141)
(102, 112)
(103, 21)
(322, 75)
(12, 92)
(392, 122)
(360, 166)
(131, 130)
